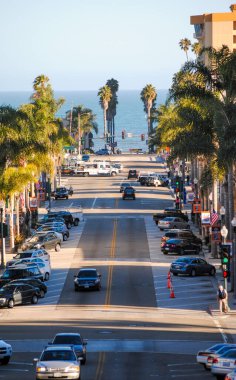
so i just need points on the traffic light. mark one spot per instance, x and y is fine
(142, 137)
(123, 134)
(225, 273)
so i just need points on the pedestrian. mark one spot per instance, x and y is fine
(222, 296)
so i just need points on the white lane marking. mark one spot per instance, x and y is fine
(218, 326)
(93, 203)
(71, 205)
(181, 364)
(22, 363)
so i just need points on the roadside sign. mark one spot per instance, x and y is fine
(190, 197)
(197, 208)
(216, 235)
(205, 218)
(33, 203)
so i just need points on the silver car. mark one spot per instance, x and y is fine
(224, 364)
(58, 362)
(172, 222)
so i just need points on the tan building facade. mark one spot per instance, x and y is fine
(216, 29)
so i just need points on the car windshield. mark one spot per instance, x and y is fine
(55, 355)
(7, 288)
(36, 238)
(67, 339)
(23, 255)
(87, 273)
(129, 191)
(174, 241)
(168, 219)
(171, 235)
(11, 273)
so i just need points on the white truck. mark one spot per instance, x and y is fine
(96, 169)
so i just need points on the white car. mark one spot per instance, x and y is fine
(31, 253)
(5, 352)
(231, 376)
(203, 354)
(172, 222)
(224, 364)
(44, 266)
(221, 351)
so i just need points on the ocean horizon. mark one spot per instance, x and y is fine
(130, 113)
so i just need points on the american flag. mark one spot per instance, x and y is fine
(214, 217)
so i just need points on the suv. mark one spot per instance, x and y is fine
(17, 294)
(47, 240)
(29, 253)
(129, 193)
(87, 278)
(58, 362)
(66, 215)
(132, 174)
(74, 339)
(61, 192)
(20, 272)
(5, 352)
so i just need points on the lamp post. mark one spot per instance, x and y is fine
(233, 274)
(195, 181)
(222, 214)
(224, 233)
(2, 204)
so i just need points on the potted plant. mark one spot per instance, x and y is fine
(18, 241)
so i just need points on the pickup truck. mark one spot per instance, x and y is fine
(96, 169)
(169, 212)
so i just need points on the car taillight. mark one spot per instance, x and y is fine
(162, 244)
(215, 361)
(173, 245)
(209, 359)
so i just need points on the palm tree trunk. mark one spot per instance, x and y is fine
(11, 223)
(105, 124)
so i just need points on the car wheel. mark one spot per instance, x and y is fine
(5, 360)
(65, 237)
(46, 276)
(42, 293)
(193, 273)
(174, 227)
(69, 225)
(86, 174)
(34, 299)
(76, 222)
(57, 247)
(67, 197)
(10, 304)
(175, 274)
(212, 272)
(165, 252)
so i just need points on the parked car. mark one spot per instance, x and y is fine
(67, 170)
(56, 227)
(132, 173)
(180, 246)
(172, 222)
(231, 376)
(75, 340)
(69, 219)
(46, 240)
(18, 294)
(61, 193)
(57, 362)
(181, 234)
(22, 271)
(34, 282)
(34, 253)
(152, 181)
(224, 364)
(192, 266)
(51, 219)
(143, 180)
(169, 212)
(85, 157)
(87, 278)
(5, 352)
(103, 152)
(44, 266)
(123, 185)
(129, 193)
(203, 354)
(217, 353)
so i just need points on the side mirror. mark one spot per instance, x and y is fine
(35, 360)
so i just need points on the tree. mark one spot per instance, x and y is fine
(105, 95)
(184, 44)
(148, 95)
(111, 111)
(196, 49)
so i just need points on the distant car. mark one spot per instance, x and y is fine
(152, 181)
(85, 157)
(67, 170)
(34, 253)
(132, 173)
(74, 339)
(103, 152)
(224, 364)
(5, 352)
(180, 246)
(61, 193)
(123, 185)
(18, 294)
(192, 266)
(129, 193)
(172, 222)
(202, 355)
(87, 278)
(57, 362)
(47, 240)
(34, 282)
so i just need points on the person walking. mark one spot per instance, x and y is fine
(222, 296)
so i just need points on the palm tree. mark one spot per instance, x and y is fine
(184, 44)
(148, 96)
(196, 49)
(111, 111)
(105, 95)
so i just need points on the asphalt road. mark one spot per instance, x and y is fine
(134, 329)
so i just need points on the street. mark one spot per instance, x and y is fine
(134, 329)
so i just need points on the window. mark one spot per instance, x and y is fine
(234, 27)
(234, 39)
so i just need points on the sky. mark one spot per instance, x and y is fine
(80, 44)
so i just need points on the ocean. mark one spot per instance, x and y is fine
(130, 114)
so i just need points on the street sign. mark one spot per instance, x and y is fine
(216, 235)
(190, 197)
(205, 218)
(197, 208)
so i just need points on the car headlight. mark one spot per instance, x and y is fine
(96, 281)
(74, 368)
(41, 369)
(2, 299)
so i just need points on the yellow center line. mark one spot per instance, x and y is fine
(110, 269)
(99, 371)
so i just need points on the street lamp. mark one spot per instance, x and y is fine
(2, 204)
(233, 284)
(224, 233)
(195, 181)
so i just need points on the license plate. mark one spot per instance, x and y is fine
(86, 286)
(167, 249)
(57, 374)
(225, 364)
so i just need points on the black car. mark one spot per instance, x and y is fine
(34, 282)
(143, 180)
(20, 272)
(17, 294)
(87, 278)
(192, 266)
(132, 173)
(181, 234)
(66, 215)
(180, 246)
(61, 193)
(75, 340)
(129, 193)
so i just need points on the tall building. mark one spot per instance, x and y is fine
(216, 29)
